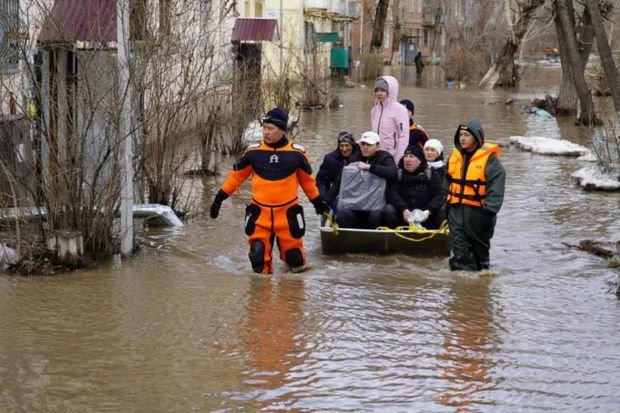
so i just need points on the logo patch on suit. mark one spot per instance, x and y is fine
(274, 159)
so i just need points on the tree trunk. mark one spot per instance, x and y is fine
(573, 59)
(567, 97)
(607, 60)
(378, 26)
(504, 72)
(397, 29)
(436, 29)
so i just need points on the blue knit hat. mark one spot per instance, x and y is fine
(408, 104)
(278, 117)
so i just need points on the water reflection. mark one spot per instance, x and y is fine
(184, 326)
(468, 345)
(270, 335)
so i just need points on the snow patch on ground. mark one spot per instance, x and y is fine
(549, 146)
(592, 178)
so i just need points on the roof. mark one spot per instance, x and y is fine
(255, 29)
(80, 20)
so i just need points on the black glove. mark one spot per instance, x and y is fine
(217, 203)
(320, 205)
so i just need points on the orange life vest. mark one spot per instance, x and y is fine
(420, 141)
(471, 188)
(418, 127)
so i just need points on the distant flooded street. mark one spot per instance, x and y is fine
(185, 326)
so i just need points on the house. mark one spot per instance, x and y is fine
(16, 100)
(285, 34)
(419, 27)
(74, 76)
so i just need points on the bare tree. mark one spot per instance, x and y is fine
(504, 71)
(567, 31)
(567, 100)
(74, 112)
(397, 28)
(607, 61)
(378, 26)
(474, 31)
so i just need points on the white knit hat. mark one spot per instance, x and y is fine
(435, 144)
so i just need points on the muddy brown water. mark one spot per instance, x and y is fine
(185, 326)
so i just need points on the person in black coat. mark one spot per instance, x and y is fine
(377, 162)
(416, 188)
(417, 134)
(329, 172)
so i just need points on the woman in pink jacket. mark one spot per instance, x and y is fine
(389, 118)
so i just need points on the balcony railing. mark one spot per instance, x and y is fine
(333, 6)
(317, 4)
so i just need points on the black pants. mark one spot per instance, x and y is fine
(347, 218)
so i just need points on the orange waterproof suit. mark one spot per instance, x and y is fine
(274, 214)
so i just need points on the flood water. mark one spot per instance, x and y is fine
(185, 326)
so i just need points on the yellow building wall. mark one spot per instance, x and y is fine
(291, 30)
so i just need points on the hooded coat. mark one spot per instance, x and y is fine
(390, 120)
(471, 227)
(328, 176)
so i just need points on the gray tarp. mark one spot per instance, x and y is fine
(360, 190)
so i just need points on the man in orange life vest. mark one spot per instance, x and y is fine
(475, 181)
(277, 167)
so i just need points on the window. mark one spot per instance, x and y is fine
(9, 34)
(425, 37)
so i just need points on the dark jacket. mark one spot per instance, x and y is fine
(381, 164)
(417, 135)
(416, 190)
(329, 172)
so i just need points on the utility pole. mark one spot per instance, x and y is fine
(362, 32)
(124, 129)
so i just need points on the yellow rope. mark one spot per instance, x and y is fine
(443, 229)
(330, 219)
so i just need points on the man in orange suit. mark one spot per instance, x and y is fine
(277, 167)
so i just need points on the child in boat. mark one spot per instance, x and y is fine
(415, 195)
(388, 118)
(475, 181)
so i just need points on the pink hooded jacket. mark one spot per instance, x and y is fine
(390, 120)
